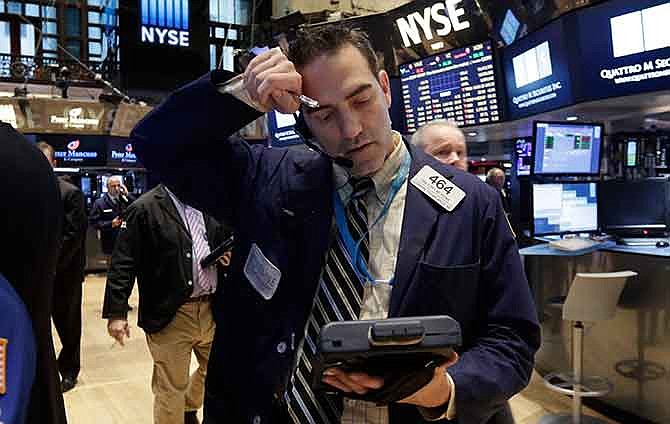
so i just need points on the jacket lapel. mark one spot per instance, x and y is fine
(419, 219)
(168, 206)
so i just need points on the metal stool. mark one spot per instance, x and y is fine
(591, 297)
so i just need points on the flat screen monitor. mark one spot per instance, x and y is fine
(634, 205)
(524, 156)
(458, 85)
(631, 153)
(86, 185)
(564, 208)
(567, 148)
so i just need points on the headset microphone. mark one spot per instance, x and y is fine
(307, 136)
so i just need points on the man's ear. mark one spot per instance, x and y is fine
(385, 84)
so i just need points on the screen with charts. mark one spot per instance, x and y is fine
(524, 156)
(564, 208)
(459, 85)
(567, 148)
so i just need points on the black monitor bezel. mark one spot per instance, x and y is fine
(532, 208)
(564, 174)
(622, 229)
(497, 74)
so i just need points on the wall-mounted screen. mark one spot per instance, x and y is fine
(459, 85)
(567, 148)
(537, 74)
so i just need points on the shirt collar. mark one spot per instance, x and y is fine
(382, 179)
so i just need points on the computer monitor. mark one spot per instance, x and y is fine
(631, 153)
(567, 148)
(86, 185)
(524, 156)
(635, 207)
(458, 85)
(564, 208)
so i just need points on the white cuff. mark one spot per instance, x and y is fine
(235, 87)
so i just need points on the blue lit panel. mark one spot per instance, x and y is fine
(165, 13)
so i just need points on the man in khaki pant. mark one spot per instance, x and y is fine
(162, 243)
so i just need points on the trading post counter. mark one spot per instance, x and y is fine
(632, 350)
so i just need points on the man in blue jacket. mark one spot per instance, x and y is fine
(425, 239)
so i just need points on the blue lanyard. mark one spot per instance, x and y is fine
(353, 246)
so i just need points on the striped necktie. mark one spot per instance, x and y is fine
(206, 278)
(338, 299)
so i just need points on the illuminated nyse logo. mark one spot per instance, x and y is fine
(165, 22)
(641, 31)
(532, 65)
(445, 13)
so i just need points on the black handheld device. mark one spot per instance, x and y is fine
(391, 348)
(217, 253)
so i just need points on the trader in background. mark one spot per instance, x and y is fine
(69, 276)
(107, 212)
(444, 141)
(162, 242)
(496, 179)
(30, 229)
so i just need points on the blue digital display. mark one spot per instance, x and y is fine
(630, 53)
(537, 74)
(567, 148)
(509, 28)
(459, 85)
(524, 156)
(564, 208)
(281, 131)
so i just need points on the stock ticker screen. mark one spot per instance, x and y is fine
(458, 85)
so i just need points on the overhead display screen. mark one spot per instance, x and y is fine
(567, 148)
(632, 52)
(537, 74)
(459, 85)
(524, 156)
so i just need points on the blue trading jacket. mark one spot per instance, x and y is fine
(17, 356)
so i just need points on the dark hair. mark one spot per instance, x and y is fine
(328, 39)
(46, 149)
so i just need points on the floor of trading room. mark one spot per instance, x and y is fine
(115, 382)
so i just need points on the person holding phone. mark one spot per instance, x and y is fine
(107, 212)
(162, 242)
(363, 226)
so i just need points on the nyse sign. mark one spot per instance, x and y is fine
(447, 14)
(165, 22)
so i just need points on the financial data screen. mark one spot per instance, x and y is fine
(564, 148)
(524, 155)
(564, 208)
(458, 85)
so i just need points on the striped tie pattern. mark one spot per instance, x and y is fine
(338, 299)
(206, 278)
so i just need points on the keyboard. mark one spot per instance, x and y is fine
(641, 241)
(573, 244)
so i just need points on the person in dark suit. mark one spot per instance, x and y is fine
(69, 276)
(420, 252)
(162, 242)
(17, 355)
(107, 212)
(495, 177)
(31, 227)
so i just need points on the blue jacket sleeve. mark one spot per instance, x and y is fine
(186, 141)
(500, 361)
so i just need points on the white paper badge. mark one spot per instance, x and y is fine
(437, 187)
(261, 273)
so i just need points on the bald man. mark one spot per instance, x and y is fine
(444, 141)
(496, 179)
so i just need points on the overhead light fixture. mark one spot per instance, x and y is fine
(472, 133)
(572, 118)
(483, 159)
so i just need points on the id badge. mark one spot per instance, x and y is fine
(376, 300)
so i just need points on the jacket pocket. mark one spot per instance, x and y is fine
(448, 289)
